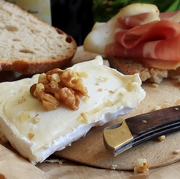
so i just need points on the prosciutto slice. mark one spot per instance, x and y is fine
(175, 16)
(140, 32)
(157, 40)
(131, 16)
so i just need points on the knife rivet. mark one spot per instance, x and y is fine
(177, 109)
(144, 121)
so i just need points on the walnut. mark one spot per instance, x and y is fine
(30, 135)
(42, 79)
(83, 117)
(68, 79)
(54, 71)
(58, 86)
(69, 98)
(49, 101)
(24, 116)
(22, 100)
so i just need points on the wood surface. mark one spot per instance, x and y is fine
(12, 165)
(90, 149)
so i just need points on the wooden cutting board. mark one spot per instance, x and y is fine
(90, 149)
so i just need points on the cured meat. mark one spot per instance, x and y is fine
(127, 22)
(175, 16)
(103, 34)
(150, 32)
(139, 31)
(158, 40)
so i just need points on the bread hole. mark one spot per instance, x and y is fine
(68, 39)
(11, 28)
(16, 40)
(33, 21)
(35, 31)
(38, 49)
(26, 51)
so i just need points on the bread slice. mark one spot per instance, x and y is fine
(28, 45)
(129, 66)
(37, 133)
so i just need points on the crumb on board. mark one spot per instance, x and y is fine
(142, 166)
(113, 167)
(161, 138)
(59, 161)
(154, 85)
(157, 107)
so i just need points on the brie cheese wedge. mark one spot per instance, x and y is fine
(37, 133)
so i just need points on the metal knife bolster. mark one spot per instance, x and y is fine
(136, 130)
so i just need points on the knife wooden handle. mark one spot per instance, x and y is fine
(150, 121)
(141, 128)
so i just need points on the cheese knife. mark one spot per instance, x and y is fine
(141, 128)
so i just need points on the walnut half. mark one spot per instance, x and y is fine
(58, 86)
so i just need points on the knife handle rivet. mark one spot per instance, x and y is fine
(144, 121)
(177, 109)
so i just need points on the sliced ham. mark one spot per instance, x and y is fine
(175, 16)
(154, 31)
(152, 42)
(128, 22)
(157, 40)
(103, 34)
(139, 31)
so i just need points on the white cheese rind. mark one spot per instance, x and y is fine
(110, 94)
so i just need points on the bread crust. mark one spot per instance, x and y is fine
(65, 46)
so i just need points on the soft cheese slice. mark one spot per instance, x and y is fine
(37, 133)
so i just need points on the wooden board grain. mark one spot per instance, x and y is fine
(90, 149)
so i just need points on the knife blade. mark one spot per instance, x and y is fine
(141, 128)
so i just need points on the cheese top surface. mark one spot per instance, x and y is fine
(37, 133)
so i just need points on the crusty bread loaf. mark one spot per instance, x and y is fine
(131, 66)
(28, 45)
